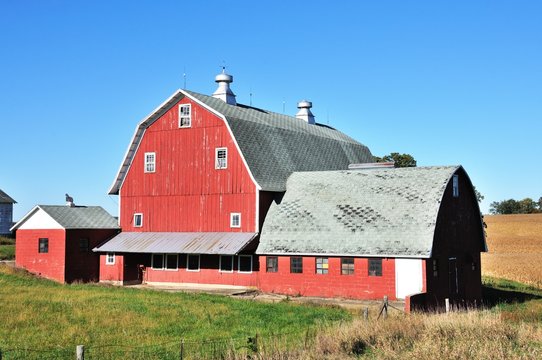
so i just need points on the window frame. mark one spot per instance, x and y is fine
(140, 216)
(152, 261)
(184, 116)
(274, 267)
(324, 268)
(297, 267)
(218, 165)
(188, 262)
(350, 267)
(43, 245)
(110, 258)
(239, 264)
(378, 272)
(148, 163)
(220, 264)
(232, 217)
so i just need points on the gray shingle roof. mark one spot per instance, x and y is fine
(274, 145)
(371, 212)
(81, 217)
(6, 199)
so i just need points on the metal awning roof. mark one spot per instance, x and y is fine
(223, 243)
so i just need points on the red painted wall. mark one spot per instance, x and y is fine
(357, 286)
(187, 193)
(50, 265)
(113, 272)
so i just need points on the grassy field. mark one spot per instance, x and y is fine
(7, 248)
(515, 248)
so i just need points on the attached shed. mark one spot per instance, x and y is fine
(374, 232)
(6, 213)
(56, 242)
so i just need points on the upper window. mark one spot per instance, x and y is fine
(455, 185)
(375, 267)
(150, 162)
(272, 264)
(84, 245)
(110, 258)
(296, 265)
(245, 263)
(185, 113)
(138, 220)
(235, 220)
(347, 266)
(322, 265)
(192, 262)
(221, 158)
(226, 263)
(43, 245)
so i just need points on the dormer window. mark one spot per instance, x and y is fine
(221, 158)
(150, 162)
(185, 116)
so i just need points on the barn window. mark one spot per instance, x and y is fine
(138, 220)
(185, 116)
(158, 261)
(221, 158)
(235, 220)
(171, 261)
(375, 267)
(245, 264)
(84, 245)
(296, 265)
(43, 246)
(272, 264)
(322, 265)
(226, 263)
(347, 266)
(150, 162)
(110, 258)
(455, 185)
(192, 262)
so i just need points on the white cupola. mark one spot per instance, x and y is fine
(304, 112)
(224, 92)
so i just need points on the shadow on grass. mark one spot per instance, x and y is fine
(496, 293)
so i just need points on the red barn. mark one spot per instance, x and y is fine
(56, 242)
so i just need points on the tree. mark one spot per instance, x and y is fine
(479, 195)
(400, 160)
(511, 206)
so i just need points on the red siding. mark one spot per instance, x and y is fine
(112, 272)
(187, 193)
(50, 265)
(357, 286)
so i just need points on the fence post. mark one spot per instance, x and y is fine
(80, 352)
(182, 349)
(385, 307)
(447, 304)
(256, 338)
(366, 314)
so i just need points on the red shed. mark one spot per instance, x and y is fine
(56, 242)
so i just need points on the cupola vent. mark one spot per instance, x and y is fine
(304, 112)
(224, 92)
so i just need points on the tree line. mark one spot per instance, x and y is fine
(511, 206)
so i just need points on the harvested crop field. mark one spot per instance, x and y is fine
(515, 248)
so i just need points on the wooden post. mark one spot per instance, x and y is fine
(447, 304)
(256, 342)
(385, 307)
(182, 349)
(366, 314)
(80, 352)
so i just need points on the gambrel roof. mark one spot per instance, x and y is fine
(78, 217)
(272, 145)
(371, 212)
(6, 199)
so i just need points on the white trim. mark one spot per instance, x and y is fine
(107, 262)
(218, 165)
(383, 256)
(239, 264)
(30, 214)
(220, 264)
(152, 262)
(176, 262)
(141, 220)
(146, 163)
(232, 216)
(189, 116)
(257, 222)
(188, 262)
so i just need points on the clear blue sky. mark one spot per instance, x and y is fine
(450, 82)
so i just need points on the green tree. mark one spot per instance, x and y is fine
(400, 160)
(511, 206)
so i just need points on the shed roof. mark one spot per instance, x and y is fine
(373, 212)
(5, 198)
(78, 217)
(273, 145)
(224, 243)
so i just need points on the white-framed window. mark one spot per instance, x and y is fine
(157, 262)
(192, 262)
(455, 185)
(226, 263)
(110, 258)
(171, 262)
(150, 162)
(221, 158)
(138, 220)
(235, 220)
(244, 264)
(185, 116)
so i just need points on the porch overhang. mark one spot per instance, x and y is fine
(218, 243)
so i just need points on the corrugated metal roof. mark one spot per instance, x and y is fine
(6, 199)
(223, 243)
(81, 217)
(373, 212)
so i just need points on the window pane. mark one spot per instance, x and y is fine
(193, 262)
(110, 258)
(321, 265)
(43, 246)
(347, 266)
(272, 264)
(375, 267)
(157, 261)
(245, 263)
(171, 261)
(226, 263)
(296, 265)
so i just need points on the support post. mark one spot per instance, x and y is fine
(366, 314)
(447, 304)
(80, 352)
(385, 307)
(181, 355)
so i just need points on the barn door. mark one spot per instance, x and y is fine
(408, 277)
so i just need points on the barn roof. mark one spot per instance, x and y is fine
(272, 145)
(225, 243)
(5, 198)
(78, 217)
(371, 212)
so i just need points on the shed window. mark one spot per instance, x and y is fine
(193, 262)
(296, 265)
(185, 116)
(158, 261)
(245, 264)
(455, 185)
(272, 264)
(138, 220)
(43, 246)
(226, 263)
(84, 245)
(375, 267)
(110, 258)
(322, 265)
(172, 261)
(221, 158)
(150, 162)
(347, 266)
(235, 220)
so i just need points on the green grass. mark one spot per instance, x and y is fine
(7, 252)
(41, 314)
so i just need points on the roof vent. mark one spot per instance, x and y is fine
(224, 92)
(378, 165)
(304, 112)
(69, 201)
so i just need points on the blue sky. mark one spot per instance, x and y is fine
(450, 82)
